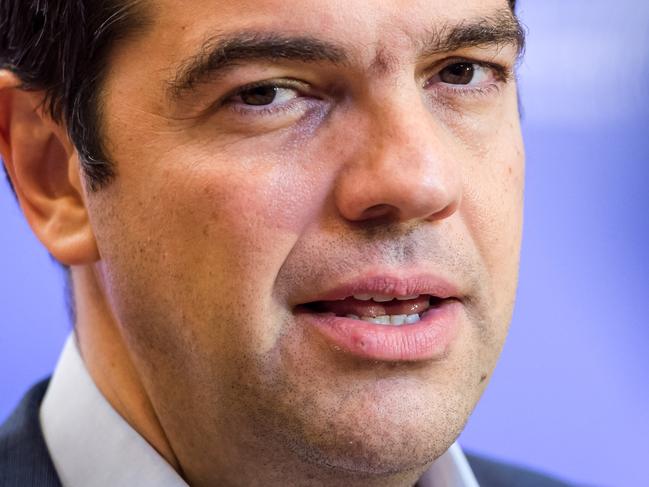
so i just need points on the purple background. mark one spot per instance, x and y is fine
(571, 393)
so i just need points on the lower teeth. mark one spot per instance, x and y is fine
(394, 320)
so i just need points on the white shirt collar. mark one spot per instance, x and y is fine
(89, 442)
(91, 445)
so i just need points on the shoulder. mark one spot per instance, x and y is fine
(24, 459)
(493, 473)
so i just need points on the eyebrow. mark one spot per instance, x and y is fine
(222, 52)
(501, 28)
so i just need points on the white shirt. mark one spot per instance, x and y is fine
(91, 445)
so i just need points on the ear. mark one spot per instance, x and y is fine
(44, 168)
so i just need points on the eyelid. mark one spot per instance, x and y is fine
(306, 98)
(285, 83)
(502, 72)
(227, 101)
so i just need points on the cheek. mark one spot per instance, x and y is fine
(195, 250)
(252, 214)
(229, 227)
(492, 208)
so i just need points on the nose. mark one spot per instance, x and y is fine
(403, 168)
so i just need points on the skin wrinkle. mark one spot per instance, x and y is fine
(214, 230)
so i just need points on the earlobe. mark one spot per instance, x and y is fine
(44, 169)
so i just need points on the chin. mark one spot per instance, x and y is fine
(362, 419)
(382, 435)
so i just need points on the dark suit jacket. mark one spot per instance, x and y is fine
(25, 461)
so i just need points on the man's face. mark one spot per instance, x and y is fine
(255, 198)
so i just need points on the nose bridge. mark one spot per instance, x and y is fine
(403, 166)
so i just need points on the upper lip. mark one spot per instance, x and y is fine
(389, 285)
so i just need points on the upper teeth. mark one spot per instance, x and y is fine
(389, 319)
(382, 298)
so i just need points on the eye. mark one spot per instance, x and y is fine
(264, 95)
(270, 104)
(465, 74)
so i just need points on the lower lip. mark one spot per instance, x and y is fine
(428, 339)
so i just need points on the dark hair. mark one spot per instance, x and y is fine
(60, 47)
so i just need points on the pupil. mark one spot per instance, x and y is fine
(458, 74)
(259, 96)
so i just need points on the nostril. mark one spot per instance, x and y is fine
(379, 211)
(446, 211)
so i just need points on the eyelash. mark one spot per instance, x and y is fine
(262, 110)
(501, 74)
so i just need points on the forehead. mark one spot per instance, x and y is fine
(178, 26)
(350, 14)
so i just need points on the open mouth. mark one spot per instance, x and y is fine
(380, 317)
(378, 309)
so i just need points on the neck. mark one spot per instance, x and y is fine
(110, 364)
